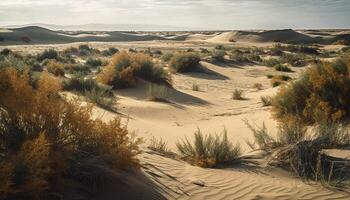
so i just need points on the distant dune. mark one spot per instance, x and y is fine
(39, 35)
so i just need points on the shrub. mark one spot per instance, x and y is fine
(218, 55)
(77, 68)
(84, 47)
(296, 60)
(258, 86)
(101, 95)
(184, 62)
(94, 62)
(204, 50)
(55, 68)
(266, 100)
(48, 54)
(166, 57)
(13, 61)
(5, 52)
(269, 76)
(125, 67)
(282, 68)
(238, 56)
(209, 150)
(321, 92)
(237, 94)
(159, 145)
(44, 136)
(195, 87)
(158, 93)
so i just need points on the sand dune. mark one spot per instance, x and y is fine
(38, 35)
(284, 36)
(180, 180)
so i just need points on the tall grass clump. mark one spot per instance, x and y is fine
(184, 62)
(209, 150)
(237, 94)
(282, 68)
(218, 55)
(46, 139)
(124, 67)
(322, 91)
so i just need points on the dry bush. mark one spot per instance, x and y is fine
(195, 87)
(166, 57)
(321, 92)
(159, 145)
(272, 62)
(184, 62)
(125, 67)
(237, 94)
(54, 67)
(209, 150)
(43, 136)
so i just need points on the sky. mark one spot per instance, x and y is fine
(207, 14)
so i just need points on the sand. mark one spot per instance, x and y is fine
(211, 109)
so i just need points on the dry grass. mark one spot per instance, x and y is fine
(158, 93)
(209, 150)
(43, 136)
(237, 94)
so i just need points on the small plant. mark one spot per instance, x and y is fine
(266, 100)
(158, 93)
(237, 94)
(84, 47)
(258, 86)
(195, 87)
(5, 52)
(184, 62)
(219, 47)
(269, 76)
(101, 96)
(209, 150)
(282, 68)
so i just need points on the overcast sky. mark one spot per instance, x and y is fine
(211, 14)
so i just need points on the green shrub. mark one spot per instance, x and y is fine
(5, 52)
(48, 54)
(209, 150)
(184, 62)
(84, 47)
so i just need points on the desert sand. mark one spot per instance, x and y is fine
(211, 109)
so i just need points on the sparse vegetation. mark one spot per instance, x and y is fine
(44, 136)
(184, 62)
(159, 145)
(195, 87)
(209, 150)
(258, 86)
(322, 91)
(94, 62)
(218, 55)
(237, 94)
